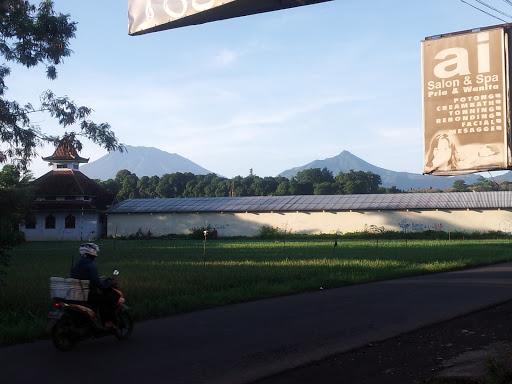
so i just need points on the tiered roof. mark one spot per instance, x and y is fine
(68, 182)
(65, 152)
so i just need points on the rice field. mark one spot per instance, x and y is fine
(166, 277)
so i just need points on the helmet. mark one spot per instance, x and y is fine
(89, 249)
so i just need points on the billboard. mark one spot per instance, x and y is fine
(146, 16)
(465, 106)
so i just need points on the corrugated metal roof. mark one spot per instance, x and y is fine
(400, 201)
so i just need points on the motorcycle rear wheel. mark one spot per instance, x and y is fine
(62, 335)
(124, 325)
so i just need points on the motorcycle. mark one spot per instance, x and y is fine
(70, 321)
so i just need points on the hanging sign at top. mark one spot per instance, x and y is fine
(465, 105)
(146, 16)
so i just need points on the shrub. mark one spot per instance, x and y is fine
(198, 233)
(139, 235)
(269, 232)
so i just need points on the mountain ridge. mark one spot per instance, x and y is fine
(150, 161)
(143, 161)
(346, 161)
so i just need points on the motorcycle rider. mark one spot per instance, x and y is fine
(100, 294)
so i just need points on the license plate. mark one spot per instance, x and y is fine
(55, 315)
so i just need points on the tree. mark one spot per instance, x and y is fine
(485, 185)
(165, 188)
(325, 188)
(110, 185)
(269, 185)
(283, 188)
(222, 187)
(15, 198)
(355, 182)
(392, 189)
(460, 186)
(127, 182)
(33, 35)
(506, 186)
(314, 176)
(302, 188)
(9, 176)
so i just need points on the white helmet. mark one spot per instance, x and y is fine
(89, 249)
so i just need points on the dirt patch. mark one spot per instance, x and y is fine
(419, 356)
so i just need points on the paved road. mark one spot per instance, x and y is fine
(241, 343)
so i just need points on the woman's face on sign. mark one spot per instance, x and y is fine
(442, 153)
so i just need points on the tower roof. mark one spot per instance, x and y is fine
(68, 182)
(65, 152)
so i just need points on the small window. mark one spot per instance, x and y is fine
(75, 166)
(49, 222)
(70, 198)
(30, 221)
(87, 198)
(61, 166)
(69, 221)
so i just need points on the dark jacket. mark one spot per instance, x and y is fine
(85, 269)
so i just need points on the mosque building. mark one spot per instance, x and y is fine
(67, 204)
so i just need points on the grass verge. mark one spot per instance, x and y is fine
(165, 277)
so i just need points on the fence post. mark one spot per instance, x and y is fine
(205, 232)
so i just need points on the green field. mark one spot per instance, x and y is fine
(164, 277)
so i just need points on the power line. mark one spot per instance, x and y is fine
(493, 8)
(508, 2)
(482, 10)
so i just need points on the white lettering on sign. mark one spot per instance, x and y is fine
(455, 61)
(179, 8)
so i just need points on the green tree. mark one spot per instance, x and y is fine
(190, 188)
(269, 185)
(392, 189)
(111, 186)
(460, 186)
(484, 185)
(127, 182)
(283, 188)
(9, 176)
(33, 35)
(222, 187)
(143, 188)
(301, 188)
(356, 182)
(506, 186)
(314, 176)
(325, 188)
(237, 186)
(165, 188)
(15, 198)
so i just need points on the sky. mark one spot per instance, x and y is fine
(267, 92)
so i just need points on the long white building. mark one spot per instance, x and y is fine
(244, 216)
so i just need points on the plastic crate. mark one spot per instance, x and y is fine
(69, 289)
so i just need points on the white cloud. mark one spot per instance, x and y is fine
(226, 57)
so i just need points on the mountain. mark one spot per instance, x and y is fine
(346, 161)
(143, 161)
(505, 177)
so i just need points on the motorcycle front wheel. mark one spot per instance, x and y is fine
(62, 335)
(124, 325)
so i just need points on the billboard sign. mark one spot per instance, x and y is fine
(146, 16)
(465, 106)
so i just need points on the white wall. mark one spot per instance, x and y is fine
(87, 227)
(249, 224)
